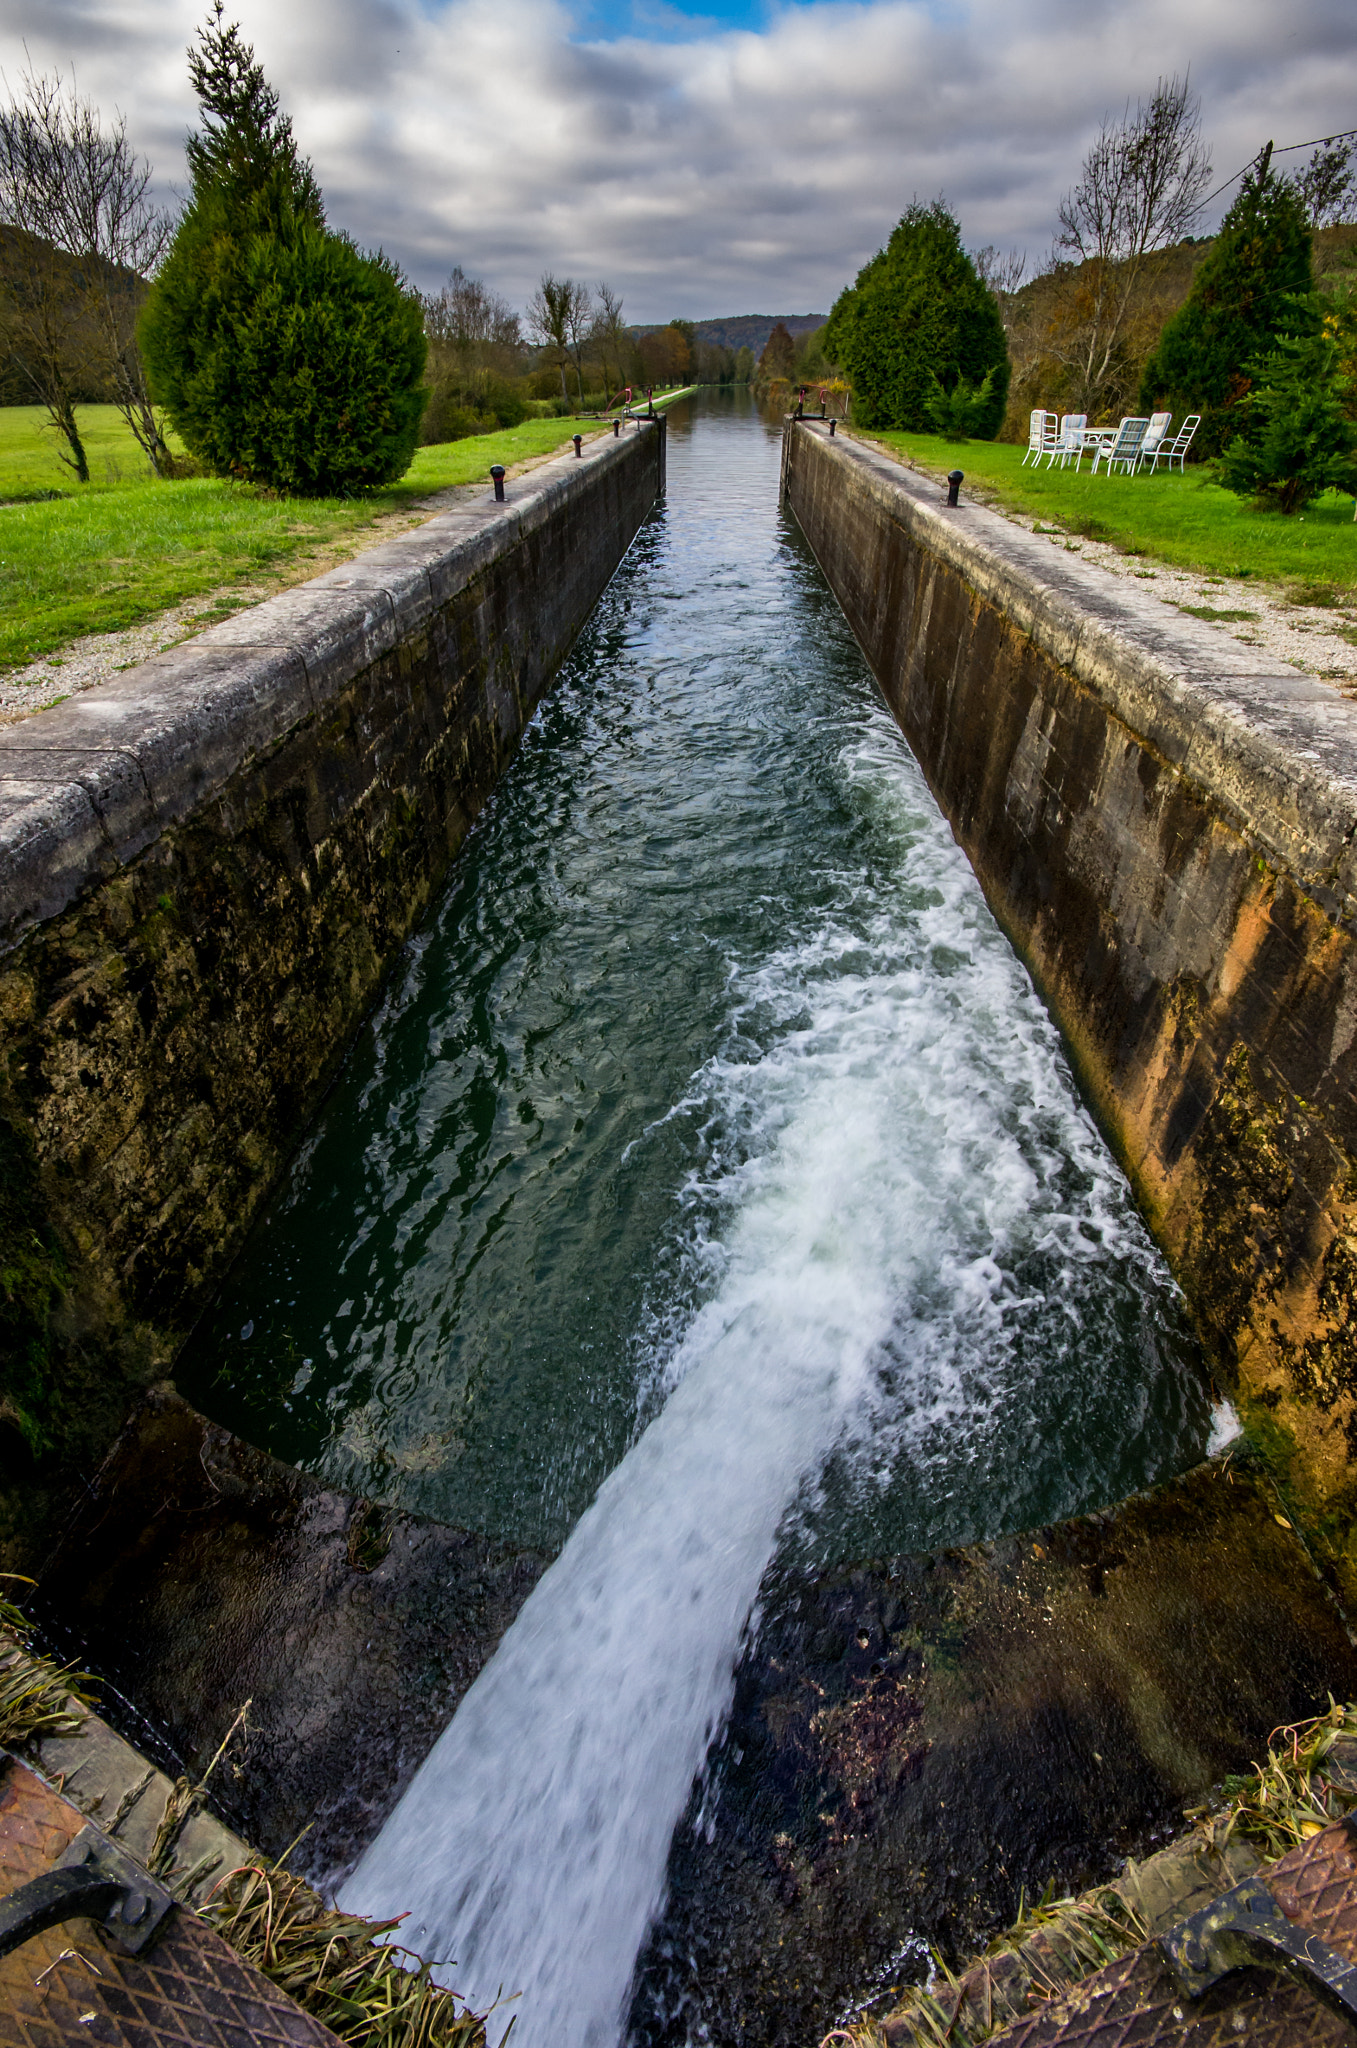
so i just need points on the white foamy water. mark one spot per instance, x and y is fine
(888, 1127)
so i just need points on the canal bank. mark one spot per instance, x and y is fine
(207, 868)
(1164, 824)
(707, 1222)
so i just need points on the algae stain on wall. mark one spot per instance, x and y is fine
(168, 1031)
(1127, 843)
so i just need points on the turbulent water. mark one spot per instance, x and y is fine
(711, 1180)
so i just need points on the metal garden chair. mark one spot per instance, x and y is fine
(1041, 437)
(1070, 440)
(1125, 449)
(1160, 423)
(1177, 448)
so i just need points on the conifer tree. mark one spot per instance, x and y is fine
(282, 354)
(1236, 309)
(919, 317)
(1298, 438)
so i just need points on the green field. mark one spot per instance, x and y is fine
(125, 546)
(1188, 521)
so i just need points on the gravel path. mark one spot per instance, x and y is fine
(1321, 638)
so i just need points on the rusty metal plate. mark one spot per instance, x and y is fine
(190, 1990)
(1134, 2003)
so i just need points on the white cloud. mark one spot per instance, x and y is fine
(731, 171)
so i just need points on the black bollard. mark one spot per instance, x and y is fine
(832, 424)
(955, 479)
(497, 472)
(579, 444)
(617, 428)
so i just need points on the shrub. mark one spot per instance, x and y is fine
(964, 410)
(281, 352)
(919, 316)
(1235, 310)
(1298, 439)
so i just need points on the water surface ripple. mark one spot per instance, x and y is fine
(711, 1178)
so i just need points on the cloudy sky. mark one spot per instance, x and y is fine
(744, 159)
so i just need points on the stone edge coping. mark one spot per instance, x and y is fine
(1271, 747)
(113, 1785)
(88, 784)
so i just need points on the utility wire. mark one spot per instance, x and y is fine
(1285, 150)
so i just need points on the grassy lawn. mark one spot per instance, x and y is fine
(126, 546)
(1188, 521)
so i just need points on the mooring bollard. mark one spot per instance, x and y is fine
(579, 444)
(497, 472)
(832, 424)
(955, 479)
(617, 428)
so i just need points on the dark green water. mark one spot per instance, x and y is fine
(712, 1022)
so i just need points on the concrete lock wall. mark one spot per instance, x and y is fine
(208, 865)
(1164, 823)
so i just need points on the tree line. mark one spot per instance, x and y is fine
(573, 352)
(1254, 328)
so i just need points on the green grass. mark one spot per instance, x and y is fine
(110, 553)
(1187, 521)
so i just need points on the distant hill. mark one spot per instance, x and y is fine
(746, 330)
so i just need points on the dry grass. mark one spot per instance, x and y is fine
(339, 1968)
(36, 1697)
(1289, 1798)
(1050, 1946)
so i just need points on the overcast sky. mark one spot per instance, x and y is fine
(746, 159)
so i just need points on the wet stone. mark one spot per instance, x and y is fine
(1026, 1712)
(202, 1573)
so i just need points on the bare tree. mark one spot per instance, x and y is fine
(1002, 270)
(549, 320)
(43, 314)
(609, 330)
(1327, 187)
(119, 237)
(1139, 193)
(468, 315)
(84, 237)
(579, 320)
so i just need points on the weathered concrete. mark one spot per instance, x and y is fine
(1166, 829)
(206, 868)
(114, 1785)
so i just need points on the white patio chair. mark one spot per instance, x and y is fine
(1070, 440)
(1154, 436)
(1125, 449)
(1041, 436)
(1174, 450)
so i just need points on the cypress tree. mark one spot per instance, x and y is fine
(918, 317)
(1241, 301)
(282, 354)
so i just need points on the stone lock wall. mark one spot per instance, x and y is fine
(206, 868)
(1164, 822)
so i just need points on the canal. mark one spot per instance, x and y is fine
(709, 1187)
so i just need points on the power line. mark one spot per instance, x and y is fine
(1285, 150)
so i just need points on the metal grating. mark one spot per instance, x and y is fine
(1134, 2003)
(190, 1990)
